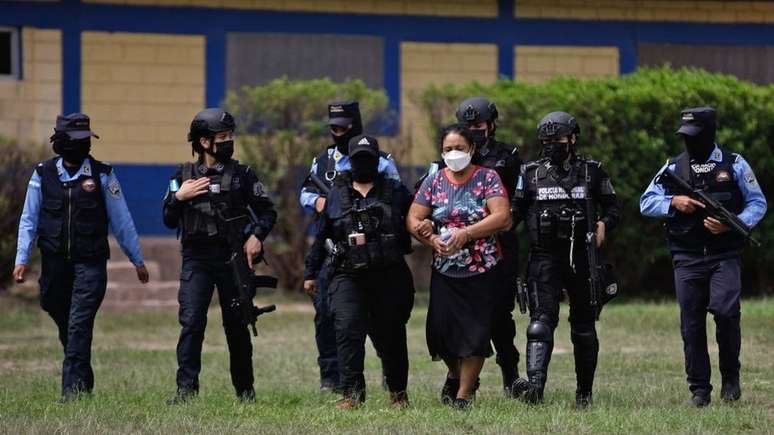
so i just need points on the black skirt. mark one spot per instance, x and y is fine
(461, 313)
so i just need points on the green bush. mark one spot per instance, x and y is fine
(629, 124)
(17, 164)
(282, 126)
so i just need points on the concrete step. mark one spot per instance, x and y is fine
(125, 272)
(152, 294)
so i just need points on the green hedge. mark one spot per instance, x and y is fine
(282, 127)
(629, 124)
(17, 163)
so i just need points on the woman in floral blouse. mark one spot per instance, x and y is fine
(466, 205)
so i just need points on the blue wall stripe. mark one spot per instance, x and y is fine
(505, 31)
(144, 187)
(215, 67)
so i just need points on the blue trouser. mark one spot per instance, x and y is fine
(325, 334)
(709, 283)
(198, 278)
(71, 293)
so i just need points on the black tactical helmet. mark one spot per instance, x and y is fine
(556, 125)
(208, 123)
(475, 110)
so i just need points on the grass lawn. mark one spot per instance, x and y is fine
(640, 384)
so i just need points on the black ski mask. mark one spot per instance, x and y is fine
(72, 151)
(557, 152)
(365, 167)
(480, 137)
(700, 147)
(342, 142)
(223, 150)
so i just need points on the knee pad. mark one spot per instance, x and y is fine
(540, 330)
(584, 333)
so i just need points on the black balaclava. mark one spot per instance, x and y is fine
(480, 137)
(365, 167)
(556, 151)
(223, 150)
(72, 151)
(700, 147)
(342, 142)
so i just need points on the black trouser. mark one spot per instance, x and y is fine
(504, 327)
(197, 281)
(71, 293)
(376, 303)
(325, 334)
(709, 283)
(548, 274)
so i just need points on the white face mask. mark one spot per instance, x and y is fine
(456, 160)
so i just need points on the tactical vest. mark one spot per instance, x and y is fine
(686, 232)
(380, 223)
(559, 211)
(73, 217)
(201, 214)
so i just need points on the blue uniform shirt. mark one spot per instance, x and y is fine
(656, 203)
(119, 218)
(386, 166)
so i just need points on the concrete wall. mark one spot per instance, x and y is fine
(28, 107)
(463, 8)
(538, 63)
(141, 91)
(649, 10)
(423, 64)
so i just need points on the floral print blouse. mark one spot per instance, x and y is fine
(456, 206)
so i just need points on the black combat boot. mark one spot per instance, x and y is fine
(731, 390)
(182, 396)
(540, 344)
(583, 401)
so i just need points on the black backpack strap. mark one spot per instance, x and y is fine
(228, 174)
(187, 172)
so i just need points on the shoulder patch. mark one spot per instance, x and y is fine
(114, 188)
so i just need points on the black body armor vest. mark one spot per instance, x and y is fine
(369, 236)
(686, 232)
(559, 211)
(200, 215)
(73, 217)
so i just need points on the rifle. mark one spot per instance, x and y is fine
(319, 184)
(712, 207)
(245, 279)
(592, 251)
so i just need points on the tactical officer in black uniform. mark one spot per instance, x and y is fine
(371, 290)
(345, 122)
(201, 194)
(552, 196)
(480, 116)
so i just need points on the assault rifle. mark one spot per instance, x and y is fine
(712, 207)
(245, 279)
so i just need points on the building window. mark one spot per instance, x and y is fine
(9, 53)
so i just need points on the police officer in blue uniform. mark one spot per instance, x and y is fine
(201, 195)
(345, 123)
(705, 253)
(480, 116)
(561, 197)
(72, 200)
(371, 291)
